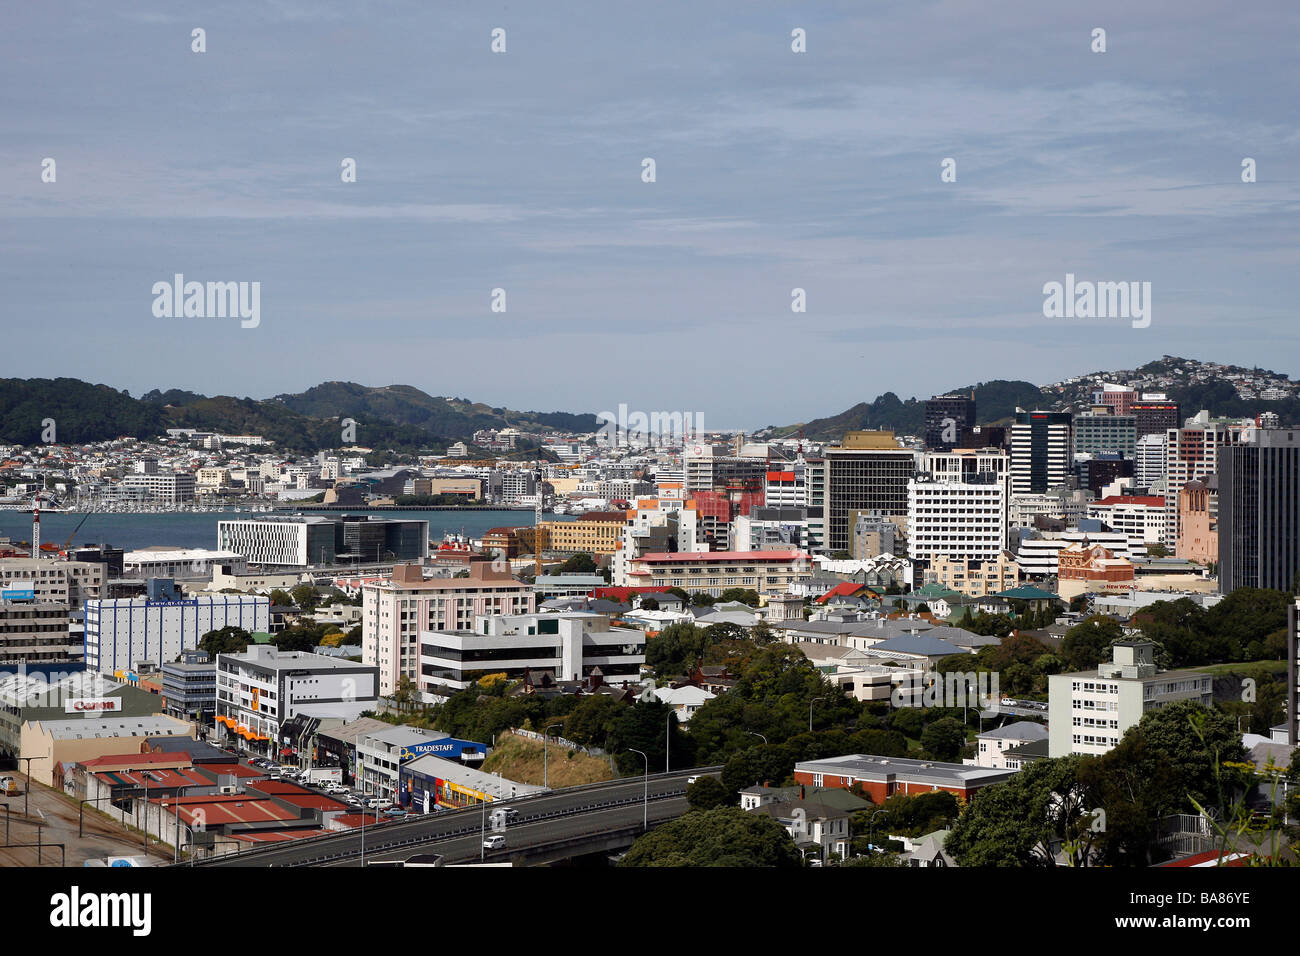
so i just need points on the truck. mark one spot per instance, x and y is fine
(9, 786)
(318, 776)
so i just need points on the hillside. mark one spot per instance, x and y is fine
(1228, 391)
(400, 417)
(519, 758)
(995, 401)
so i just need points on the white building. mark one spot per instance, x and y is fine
(1149, 460)
(1142, 519)
(286, 543)
(1088, 711)
(260, 689)
(181, 563)
(121, 632)
(1037, 557)
(164, 487)
(956, 519)
(569, 645)
(991, 749)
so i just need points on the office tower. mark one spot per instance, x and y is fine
(947, 419)
(1259, 512)
(1098, 433)
(868, 472)
(1040, 451)
(1119, 398)
(1149, 460)
(1154, 414)
(1192, 452)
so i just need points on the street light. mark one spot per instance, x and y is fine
(755, 733)
(546, 780)
(645, 819)
(810, 707)
(871, 824)
(668, 732)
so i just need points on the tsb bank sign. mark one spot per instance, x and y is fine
(92, 705)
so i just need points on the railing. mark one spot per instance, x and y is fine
(466, 813)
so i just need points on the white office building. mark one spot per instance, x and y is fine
(570, 646)
(1037, 557)
(1149, 460)
(262, 688)
(956, 519)
(121, 632)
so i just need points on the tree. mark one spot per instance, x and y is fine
(707, 793)
(724, 836)
(353, 636)
(225, 640)
(306, 597)
(943, 739)
(406, 693)
(591, 719)
(680, 592)
(649, 604)
(1173, 760)
(1085, 644)
(280, 598)
(743, 595)
(703, 599)
(1026, 821)
(580, 563)
(642, 726)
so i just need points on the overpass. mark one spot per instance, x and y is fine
(552, 826)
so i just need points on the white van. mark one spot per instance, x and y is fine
(495, 842)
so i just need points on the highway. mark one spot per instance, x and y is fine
(457, 834)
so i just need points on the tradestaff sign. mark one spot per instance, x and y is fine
(92, 705)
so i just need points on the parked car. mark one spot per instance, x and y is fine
(376, 803)
(395, 812)
(495, 842)
(336, 788)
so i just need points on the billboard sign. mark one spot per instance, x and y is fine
(92, 705)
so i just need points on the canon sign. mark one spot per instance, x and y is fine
(92, 705)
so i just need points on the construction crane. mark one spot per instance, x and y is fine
(67, 543)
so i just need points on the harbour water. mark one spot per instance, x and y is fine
(199, 530)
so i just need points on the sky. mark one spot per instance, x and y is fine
(523, 170)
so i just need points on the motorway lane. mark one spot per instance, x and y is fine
(446, 824)
(466, 849)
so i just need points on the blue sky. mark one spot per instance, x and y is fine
(522, 170)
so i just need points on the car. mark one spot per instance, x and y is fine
(336, 788)
(395, 812)
(509, 813)
(1008, 702)
(496, 841)
(375, 803)
(691, 780)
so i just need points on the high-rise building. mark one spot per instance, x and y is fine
(868, 472)
(1192, 452)
(396, 610)
(1040, 451)
(1097, 434)
(1259, 512)
(964, 519)
(1155, 414)
(947, 417)
(1149, 460)
(1119, 398)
